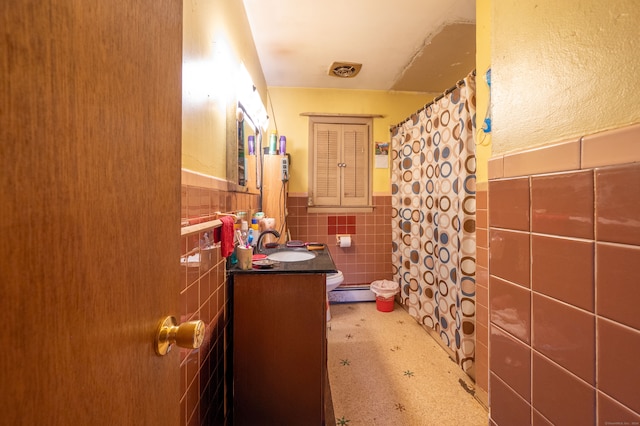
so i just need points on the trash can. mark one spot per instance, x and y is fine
(385, 292)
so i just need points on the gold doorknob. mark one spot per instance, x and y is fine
(186, 335)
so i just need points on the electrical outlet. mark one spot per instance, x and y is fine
(284, 169)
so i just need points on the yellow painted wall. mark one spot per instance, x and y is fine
(562, 69)
(289, 103)
(216, 40)
(483, 63)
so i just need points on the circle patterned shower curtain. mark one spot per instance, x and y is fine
(433, 183)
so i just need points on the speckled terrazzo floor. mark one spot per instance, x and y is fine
(384, 369)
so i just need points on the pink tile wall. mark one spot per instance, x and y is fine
(369, 257)
(564, 245)
(482, 294)
(204, 295)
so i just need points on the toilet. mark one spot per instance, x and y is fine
(333, 281)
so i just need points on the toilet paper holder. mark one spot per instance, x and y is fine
(343, 240)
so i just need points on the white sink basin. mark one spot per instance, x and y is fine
(291, 256)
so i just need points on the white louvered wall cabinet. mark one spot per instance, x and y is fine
(340, 162)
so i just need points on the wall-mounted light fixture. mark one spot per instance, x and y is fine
(250, 99)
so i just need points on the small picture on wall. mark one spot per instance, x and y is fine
(382, 155)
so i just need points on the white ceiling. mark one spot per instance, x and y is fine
(411, 45)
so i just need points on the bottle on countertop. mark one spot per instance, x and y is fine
(244, 231)
(255, 230)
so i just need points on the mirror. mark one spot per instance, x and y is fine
(249, 143)
(246, 117)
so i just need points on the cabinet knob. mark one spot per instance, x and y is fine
(186, 335)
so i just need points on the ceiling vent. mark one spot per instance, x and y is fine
(344, 69)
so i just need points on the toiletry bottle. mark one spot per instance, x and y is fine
(273, 140)
(283, 145)
(251, 142)
(255, 228)
(244, 231)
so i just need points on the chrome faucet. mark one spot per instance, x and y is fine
(262, 234)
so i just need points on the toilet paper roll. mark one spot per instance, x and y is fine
(344, 241)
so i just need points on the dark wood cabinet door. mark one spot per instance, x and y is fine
(279, 340)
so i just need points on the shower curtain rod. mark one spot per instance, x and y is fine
(459, 83)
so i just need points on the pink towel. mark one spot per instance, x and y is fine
(226, 236)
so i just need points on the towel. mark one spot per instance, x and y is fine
(226, 236)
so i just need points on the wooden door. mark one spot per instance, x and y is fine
(90, 130)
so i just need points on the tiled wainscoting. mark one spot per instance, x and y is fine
(369, 257)
(564, 250)
(204, 295)
(482, 295)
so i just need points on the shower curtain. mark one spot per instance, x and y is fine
(433, 218)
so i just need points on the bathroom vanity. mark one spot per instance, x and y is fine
(279, 343)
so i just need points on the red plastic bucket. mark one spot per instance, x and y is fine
(385, 304)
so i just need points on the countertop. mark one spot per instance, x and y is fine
(322, 263)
